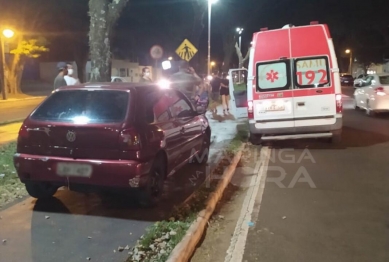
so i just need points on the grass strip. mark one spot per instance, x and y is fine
(10, 186)
(161, 238)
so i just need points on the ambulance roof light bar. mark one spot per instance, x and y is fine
(264, 29)
(314, 22)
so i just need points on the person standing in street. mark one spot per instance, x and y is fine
(215, 88)
(145, 76)
(185, 80)
(69, 78)
(60, 81)
(225, 93)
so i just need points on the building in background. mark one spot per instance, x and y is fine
(128, 71)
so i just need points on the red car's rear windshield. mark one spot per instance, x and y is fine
(84, 106)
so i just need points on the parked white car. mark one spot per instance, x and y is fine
(117, 79)
(358, 82)
(373, 94)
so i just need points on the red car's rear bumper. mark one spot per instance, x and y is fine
(105, 173)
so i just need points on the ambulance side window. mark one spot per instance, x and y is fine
(311, 72)
(273, 76)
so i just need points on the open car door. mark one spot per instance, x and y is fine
(238, 92)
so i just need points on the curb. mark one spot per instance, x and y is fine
(22, 99)
(186, 247)
(12, 121)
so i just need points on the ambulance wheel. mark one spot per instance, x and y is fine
(255, 139)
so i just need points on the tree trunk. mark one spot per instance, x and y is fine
(99, 41)
(241, 59)
(103, 16)
(13, 75)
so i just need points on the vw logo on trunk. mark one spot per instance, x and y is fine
(71, 136)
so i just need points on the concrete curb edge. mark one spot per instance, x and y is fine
(17, 120)
(22, 99)
(185, 248)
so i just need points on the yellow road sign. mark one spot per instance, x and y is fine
(186, 50)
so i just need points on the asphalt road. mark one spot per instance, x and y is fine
(110, 222)
(341, 211)
(17, 109)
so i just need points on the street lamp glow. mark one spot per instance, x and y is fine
(170, 58)
(8, 33)
(213, 63)
(213, 1)
(239, 30)
(348, 51)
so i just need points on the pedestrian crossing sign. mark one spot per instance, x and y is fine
(186, 50)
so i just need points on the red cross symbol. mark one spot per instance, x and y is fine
(272, 76)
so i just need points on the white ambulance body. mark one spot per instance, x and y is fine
(293, 85)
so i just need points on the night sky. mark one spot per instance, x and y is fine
(359, 25)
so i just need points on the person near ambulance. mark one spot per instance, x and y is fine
(185, 80)
(225, 93)
(145, 76)
(69, 78)
(59, 80)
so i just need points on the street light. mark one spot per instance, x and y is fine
(7, 33)
(348, 51)
(240, 30)
(210, 2)
(170, 58)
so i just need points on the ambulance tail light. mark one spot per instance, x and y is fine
(250, 109)
(380, 91)
(339, 104)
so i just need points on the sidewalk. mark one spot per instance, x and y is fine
(9, 133)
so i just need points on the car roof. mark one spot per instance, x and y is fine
(111, 86)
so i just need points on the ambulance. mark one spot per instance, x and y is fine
(293, 85)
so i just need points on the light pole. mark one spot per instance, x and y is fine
(7, 33)
(348, 51)
(210, 2)
(240, 30)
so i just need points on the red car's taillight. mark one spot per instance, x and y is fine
(23, 133)
(380, 91)
(339, 104)
(129, 139)
(250, 109)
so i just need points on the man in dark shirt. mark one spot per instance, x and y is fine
(185, 80)
(215, 84)
(60, 81)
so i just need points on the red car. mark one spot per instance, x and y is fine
(109, 136)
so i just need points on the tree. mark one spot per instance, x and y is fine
(27, 19)
(242, 60)
(103, 17)
(25, 48)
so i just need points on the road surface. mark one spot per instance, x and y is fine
(17, 109)
(338, 212)
(110, 223)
